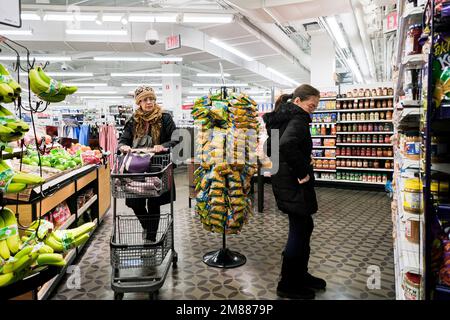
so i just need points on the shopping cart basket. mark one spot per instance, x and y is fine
(140, 265)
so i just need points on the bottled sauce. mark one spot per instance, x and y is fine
(363, 138)
(323, 130)
(333, 130)
(371, 116)
(380, 139)
(374, 152)
(389, 115)
(369, 127)
(387, 139)
(382, 115)
(385, 91)
(348, 151)
(380, 127)
(319, 164)
(353, 118)
(379, 152)
(375, 139)
(348, 163)
(386, 127)
(365, 163)
(349, 116)
(390, 104)
(344, 128)
(384, 104)
(359, 163)
(366, 104)
(384, 180)
(376, 164)
(338, 128)
(353, 139)
(378, 104)
(363, 116)
(369, 138)
(360, 127)
(390, 91)
(374, 93)
(355, 127)
(379, 91)
(387, 164)
(358, 139)
(385, 152)
(353, 151)
(338, 151)
(372, 104)
(377, 116)
(338, 139)
(363, 152)
(412, 45)
(379, 178)
(358, 152)
(325, 164)
(354, 163)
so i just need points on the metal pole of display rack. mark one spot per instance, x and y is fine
(224, 257)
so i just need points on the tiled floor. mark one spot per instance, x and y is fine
(352, 232)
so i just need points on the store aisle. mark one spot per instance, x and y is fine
(353, 231)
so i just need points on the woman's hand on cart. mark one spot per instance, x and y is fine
(125, 149)
(159, 148)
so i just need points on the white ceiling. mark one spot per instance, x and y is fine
(270, 48)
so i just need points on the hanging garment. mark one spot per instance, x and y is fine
(84, 135)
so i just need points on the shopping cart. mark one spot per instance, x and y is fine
(140, 265)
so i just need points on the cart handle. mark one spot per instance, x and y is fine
(146, 174)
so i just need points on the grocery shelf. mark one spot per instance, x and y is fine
(365, 144)
(68, 222)
(365, 169)
(365, 98)
(325, 111)
(441, 167)
(326, 158)
(407, 113)
(414, 60)
(327, 99)
(363, 132)
(324, 170)
(87, 205)
(325, 136)
(410, 103)
(365, 110)
(363, 157)
(365, 121)
(324, 147)
(312, 123)
(349, 181)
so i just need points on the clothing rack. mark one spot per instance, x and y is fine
(224, 257)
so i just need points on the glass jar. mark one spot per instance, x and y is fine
(348, 163)
(358, 117)
(353, 151)
(379, 178)
(384, 180)
(385, 152)
(379, 152)
(376, 116)
(370, 127)
(386, 126)
(363, 152)
(358, 139)
(387, 164)
(338, 128)
(387, 139)
(380, 139)
(389, 115)
(360, 127)
(365, 163)
(353, 139)
(338, 138)
(378, 104)
(384, 104)
(371, 116)
(363, 116)
(370, 163)
(344, 128)
(372, 104)
(338, 162)
(373, 152)
(379, 91)
(338, 151)
(354, 163)
(348, 139)
(390, 104)
(363, 138)
(353, 117)
(348, 151)
(385, 92)
(355, 127)
(390, 91)
(359, 163)
(369, 138)
(349, 116)
(325, 164)
(412, 45)
(365, 127)
(375, 139)
(380, 127)
(412, 192)
(374, 92)
(366, 104)
(358, 152)
(319, 164)
(382, 115)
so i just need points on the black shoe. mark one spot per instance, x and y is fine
(292, 291)
(314, 283)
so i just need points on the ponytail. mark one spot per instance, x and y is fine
(282, 99)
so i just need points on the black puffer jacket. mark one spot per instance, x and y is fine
(294, 160)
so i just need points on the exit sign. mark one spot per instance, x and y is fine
(173, 42)
(391, 22)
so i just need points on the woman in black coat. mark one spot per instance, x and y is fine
(149, 127)
(293, 187)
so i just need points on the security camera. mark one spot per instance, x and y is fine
(152, 37)
(64, 67)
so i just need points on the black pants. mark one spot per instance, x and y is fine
(298, 244)
(148, 212)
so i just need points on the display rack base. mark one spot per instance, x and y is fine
(224, 258)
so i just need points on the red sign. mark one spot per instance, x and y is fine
(173, 42)
(391, 22)
(187, 106)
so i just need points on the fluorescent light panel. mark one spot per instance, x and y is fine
(153, 18)
(97, 32)
(220, 85)
(140, 59)
(102, 97)
(337, 32)
(16, 32)
(68, 17)
(230, 49)
(207, 18)
(96, 92)
(283, 76)
(38, 58)
(217, 75)
(133, 74)
(83, 84)
(140, 84)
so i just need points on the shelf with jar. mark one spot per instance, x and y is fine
(366, 121)
(362, 105)
(362, 177)
(364, 139)
(365, 93)
(364, 151)
(358, 116)
(324, 118)
(323, 129)
(364, 128)
(364, 164)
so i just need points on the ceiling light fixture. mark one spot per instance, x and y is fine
(16, 32)
(150, 18)
(69, 17)
(103, 97)
(337, 32)
(158, 85)
(97, 32)
(220, 85)
(230, 49)
(283, 76)
(86, 84)
(216, 75)
(64, 74)
(207, 18)
(140, 59)
(96, 92)
(124, 19)
(99, 18)
(133, 74)
(38, 58)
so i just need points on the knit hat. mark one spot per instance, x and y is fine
(143, 92)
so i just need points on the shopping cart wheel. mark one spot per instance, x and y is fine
(118, 295)
(153, 295)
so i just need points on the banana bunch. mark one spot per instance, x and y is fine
(11, 129)
(14, 182)
(31, 253)
(48, 89)
(9, 88)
